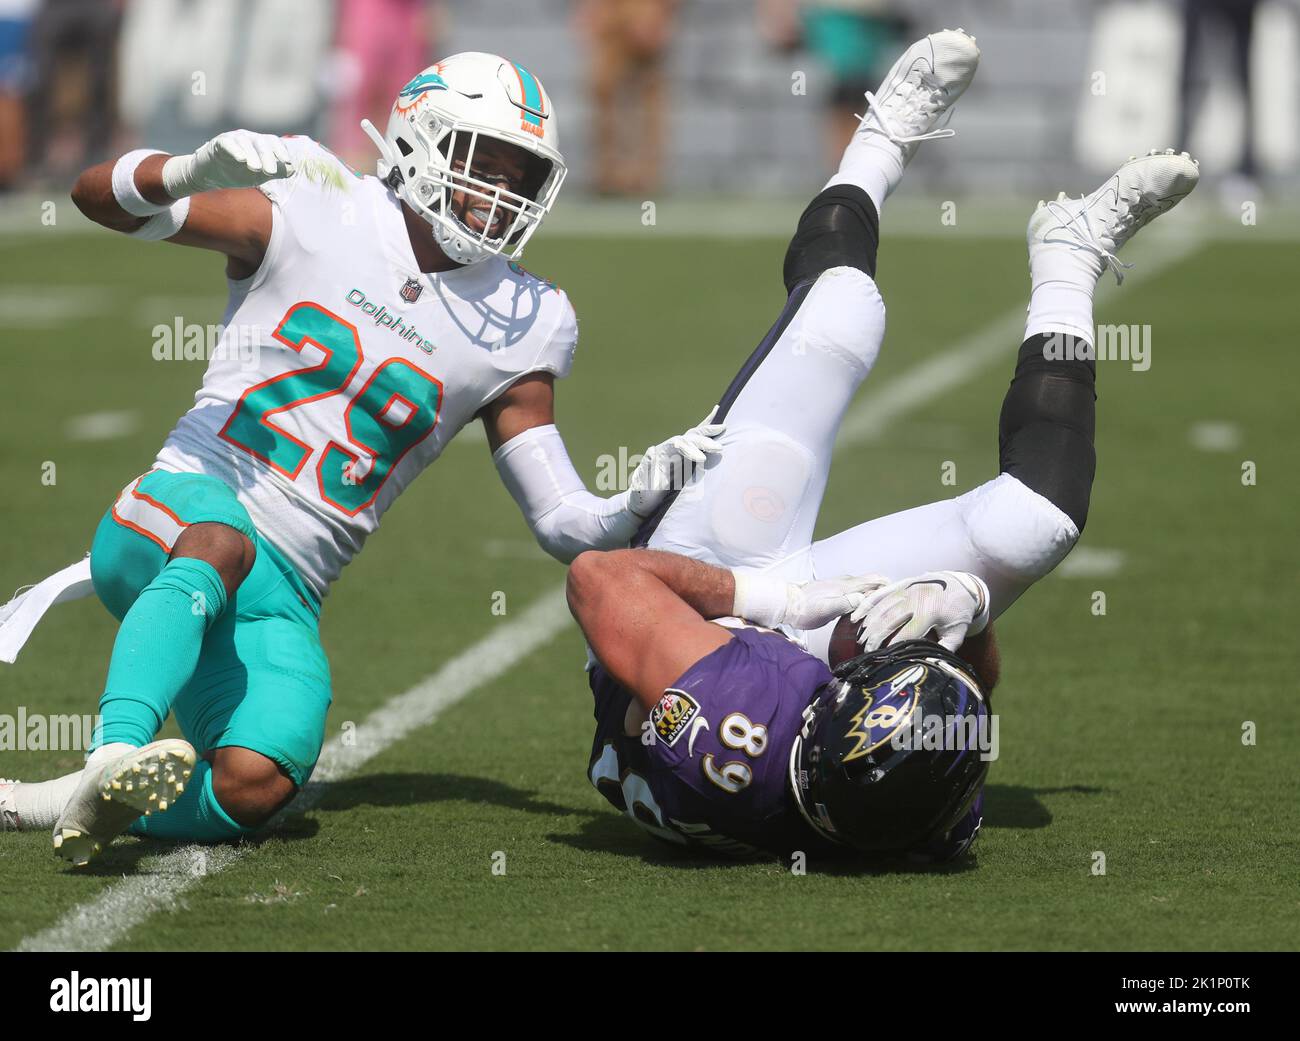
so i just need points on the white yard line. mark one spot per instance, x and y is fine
(100, 923)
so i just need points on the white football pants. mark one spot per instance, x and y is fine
(756, 506)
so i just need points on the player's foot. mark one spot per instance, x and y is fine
(921, 88)
(8, 807)
(142, 781)
(1095, 227)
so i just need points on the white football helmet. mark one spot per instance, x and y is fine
(443, 113)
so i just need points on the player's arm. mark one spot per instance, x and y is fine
(646, 614)
(204, 199)
(535, 467)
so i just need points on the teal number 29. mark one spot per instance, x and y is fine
(395, 409)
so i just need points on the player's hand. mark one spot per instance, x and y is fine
(951, 604)
(770, 602)
(234, 159)
(810, 605)
(670, 465)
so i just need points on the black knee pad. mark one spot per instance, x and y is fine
(1045, 433)
(840, 228)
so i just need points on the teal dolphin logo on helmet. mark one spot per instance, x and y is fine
(425, 81)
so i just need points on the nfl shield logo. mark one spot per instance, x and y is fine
(411, 291)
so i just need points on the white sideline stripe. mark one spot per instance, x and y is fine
(102, 922)
(99, 923)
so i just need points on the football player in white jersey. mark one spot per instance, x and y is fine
(383, 314)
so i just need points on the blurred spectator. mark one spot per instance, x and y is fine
(629, 39)
(855, 40)
(71, 111)
(381, 44)
(1232, 20)
(15, 22)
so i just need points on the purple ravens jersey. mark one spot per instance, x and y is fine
(709, 766)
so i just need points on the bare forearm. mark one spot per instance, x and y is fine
(643, 612)
(233, 221)
(93, 193)
(710, 590)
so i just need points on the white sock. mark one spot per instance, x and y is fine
(1063, 281)
(872, 162)
(41, 805)
(1057, 307)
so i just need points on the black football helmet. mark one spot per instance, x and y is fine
(872, 769)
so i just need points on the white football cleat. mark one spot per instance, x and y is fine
(8, 808)
(921, 88)
(141, 782)
(1099, 224)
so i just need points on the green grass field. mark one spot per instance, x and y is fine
(1120, 733)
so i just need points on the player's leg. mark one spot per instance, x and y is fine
(758, 502)
(166, 559)
(255, 709)
(1013, 530)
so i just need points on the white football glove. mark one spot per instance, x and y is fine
(234, 159)
(952, 604)
(669, 465)
(769, 601)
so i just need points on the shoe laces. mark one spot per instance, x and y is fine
(1081, 234)
(908, 99)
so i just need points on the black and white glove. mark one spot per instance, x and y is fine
(951, 604)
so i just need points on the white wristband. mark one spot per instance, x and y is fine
(760, 599)
(166, 224)
(124, 190)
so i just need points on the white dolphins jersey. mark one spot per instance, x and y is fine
(343, 370)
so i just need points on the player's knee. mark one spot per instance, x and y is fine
(231, 553)
(844, 315)
(840, 228)
(250, 787)
(1014, 531)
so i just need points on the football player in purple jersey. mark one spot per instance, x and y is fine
(719, 721)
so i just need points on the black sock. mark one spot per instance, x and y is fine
(1045, 432)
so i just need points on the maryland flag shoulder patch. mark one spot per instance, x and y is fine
(673, 715)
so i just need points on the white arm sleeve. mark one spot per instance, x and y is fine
(565, 517)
